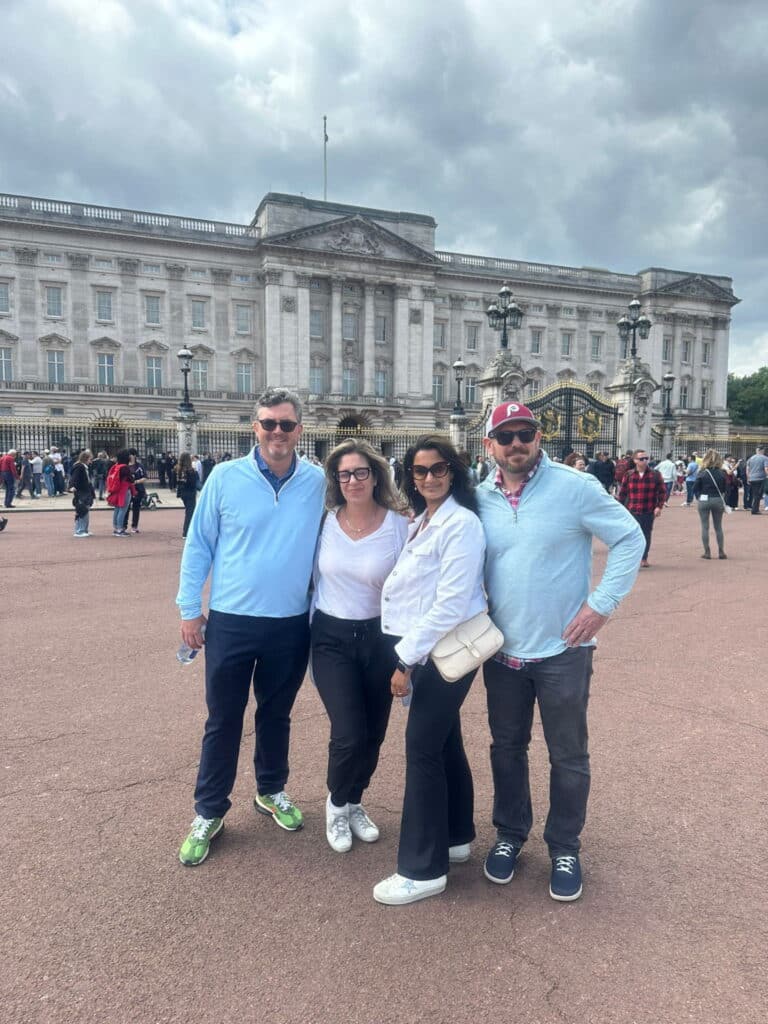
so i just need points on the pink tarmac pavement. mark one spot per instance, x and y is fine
(100, 732)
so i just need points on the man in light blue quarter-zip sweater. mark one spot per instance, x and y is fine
(254, 532)
(539, 519)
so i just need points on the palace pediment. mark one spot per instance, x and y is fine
(153, 347)
(105, 342)
(54, 340)
(697, 286)
(353, 236)
(6, 338)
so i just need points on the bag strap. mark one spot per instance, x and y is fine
(716, 487)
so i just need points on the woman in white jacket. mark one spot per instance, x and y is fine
(436, 584)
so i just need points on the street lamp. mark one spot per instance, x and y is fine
(505, 311)
(668, 382)
(185, 359)
(632, 324)
(458, 370)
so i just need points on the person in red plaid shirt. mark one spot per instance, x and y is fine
(643, 494)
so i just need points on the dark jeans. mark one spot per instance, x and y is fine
(190, 501)
(438, 806)
(561, 686)
(136, 501)
(756, 488)
(716, 508)
(352, 666)
(99, 483)
(10, 487)
(689, 491)
(645, 519)
(241, 650)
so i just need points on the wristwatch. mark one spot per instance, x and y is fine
(402, 667)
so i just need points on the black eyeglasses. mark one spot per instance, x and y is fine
(505, 437)
(287, 426)
(642, 458)
(437, 469)
(345, 475)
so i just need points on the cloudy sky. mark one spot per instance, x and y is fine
(615, 133)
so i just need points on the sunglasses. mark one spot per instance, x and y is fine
(345, 475)
(505, 437)
(437, 469)
(642, 458)
(287, 426)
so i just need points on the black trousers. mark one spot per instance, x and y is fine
(352, 665)
(756, 489)
(438, 806)
(645, 519)
(190, 500)
(240, 651)
(136, 500)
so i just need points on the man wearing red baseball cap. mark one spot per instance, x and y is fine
(539, 519)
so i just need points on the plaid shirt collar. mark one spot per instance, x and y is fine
(513, 497)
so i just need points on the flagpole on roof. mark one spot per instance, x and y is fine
(325, 158)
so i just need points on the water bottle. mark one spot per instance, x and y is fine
(186, 654)
(406, 700)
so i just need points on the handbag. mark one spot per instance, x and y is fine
(466, 647)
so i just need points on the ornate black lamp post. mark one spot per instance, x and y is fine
(458, 370)
(185, 359)
(505, 311)
(668, 382)
(632, 324)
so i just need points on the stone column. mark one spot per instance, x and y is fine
(369, 344)
(401, 332)
(81, 306)
(272, 339)
(337, 355)
(427, 341)
(176, 328)
(302, 328)
(186, 430)
(719, 361)
(129, 321)
(28, 300)
(223, 371)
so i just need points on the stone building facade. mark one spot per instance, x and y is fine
(353, 307)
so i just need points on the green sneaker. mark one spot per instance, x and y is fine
(283, 810)
(197, 845)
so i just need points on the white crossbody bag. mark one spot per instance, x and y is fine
(466, 647)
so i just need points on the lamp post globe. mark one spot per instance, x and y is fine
(459, 369)
(504, 313)
(185, 360)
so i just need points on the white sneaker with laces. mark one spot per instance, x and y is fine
(361, 825)
(337, 830)
(397, 890)
(459, 854)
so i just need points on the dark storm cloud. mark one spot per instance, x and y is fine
(624, 133)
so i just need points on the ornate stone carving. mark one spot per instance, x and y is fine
(175, 271)
(302, 280)
(641, 401)
(353, 238)
(582, 312)
(27, 257)
(105, 343)
(130, 268)
(414, 316)
(288, 304)
(273, 277)
(78, 260)
(553, 309)
(429, 294)
(221, 276)
(54, 340)
(9, 339)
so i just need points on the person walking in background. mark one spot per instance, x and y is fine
(643, 493)
(140, 490)
(58, 471)
(668, 472)
(576, 461)
(186, 488)
(730, 465)
(37, 474)
(709, 492)
(756, 473)
(539, 521)
(83, 491)
(48, 474)
(352, 661)
(120, 490)
(603, 469)
(255, 532)
(690, 479)
(623, 466)
(9, 475)
(25, 476)
(436, 585)
(99, 469)
(162, 470)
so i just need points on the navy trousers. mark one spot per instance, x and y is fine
(240, 651)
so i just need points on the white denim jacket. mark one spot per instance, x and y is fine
(437, 581)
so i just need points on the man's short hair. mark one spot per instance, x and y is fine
(277, 396)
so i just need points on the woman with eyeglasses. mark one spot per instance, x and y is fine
(352, 661)
(436, 584)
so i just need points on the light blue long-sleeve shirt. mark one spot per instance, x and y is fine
(257, 545)
(539, 558)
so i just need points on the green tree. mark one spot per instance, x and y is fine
(748, 398)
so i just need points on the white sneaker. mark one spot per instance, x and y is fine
(337, 830)
(361, 825)
(459, 854)
(397, 890)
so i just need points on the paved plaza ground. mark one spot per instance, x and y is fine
(100, 732)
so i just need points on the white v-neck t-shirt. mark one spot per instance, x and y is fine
(350, 573)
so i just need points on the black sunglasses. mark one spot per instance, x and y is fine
(345, 475)
(437, 469)
(642, 458)
(505, 437)
(287, 426)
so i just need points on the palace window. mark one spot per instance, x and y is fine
(349, 327)
(317, 380)
(104, 306)
(381, 384)
(686, 356)
(54, 301)
(439, 333)
(101, 263)
(596, 346)
(706, 349)
(536, 337)
(105, 365)
(198, 311)
(472, 336)
(438, 387)
(6, 364)
(316, 324)
(534, 387)
(200, 374)
(154, 372)
(683, 403)
(470, 392)
(242, 319)
(55, 367)
(381, 328)
(5, 297)
(705, 396)
(349, 382)
(667, 349)
(566, 343)
(152, 310)
(244, 378)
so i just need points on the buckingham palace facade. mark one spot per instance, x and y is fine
(352, 307)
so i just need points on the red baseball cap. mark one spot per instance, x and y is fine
(507, 413)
